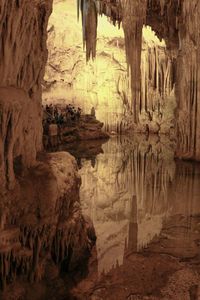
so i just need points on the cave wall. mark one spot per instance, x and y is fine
(43, 232)
(178, 23)
(23, 55)
(180, 29)
(188, 81)
(41, 225)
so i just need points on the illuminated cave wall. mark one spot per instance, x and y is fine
(104, 82)
(177, 22)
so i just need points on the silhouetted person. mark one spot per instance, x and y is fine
(61, 119)
(93, 111)
(48, 119)
(47, 109)
(78, 114)
(55, 111)
(51, 109)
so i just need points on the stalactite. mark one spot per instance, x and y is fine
(89, 12)
(188, 117)
(157, 77)
(171, 21)
(25, 249)
(133, 19)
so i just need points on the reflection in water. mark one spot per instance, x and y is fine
(82, 149)
(146, 212)
(127, 190)
(142, 201)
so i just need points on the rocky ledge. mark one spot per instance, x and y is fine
(42, 230)
(86, 128)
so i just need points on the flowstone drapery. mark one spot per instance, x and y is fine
(178, 23)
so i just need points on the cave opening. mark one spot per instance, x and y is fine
(105, 82)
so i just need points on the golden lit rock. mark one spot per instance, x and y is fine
(104, 83)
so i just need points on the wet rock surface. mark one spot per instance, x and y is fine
(23, 55)
(84, 129)
(145, 209)
(43, 232)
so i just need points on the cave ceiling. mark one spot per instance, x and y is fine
(166, 17)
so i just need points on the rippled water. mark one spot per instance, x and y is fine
(145, 207)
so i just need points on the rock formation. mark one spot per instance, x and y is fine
(68, 78)
(89, 23)
(177, 22)
(43, 227)
(180, 23)
(87, 127)
(23, 52)
(40, 217)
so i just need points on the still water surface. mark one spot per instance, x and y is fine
(145, 207)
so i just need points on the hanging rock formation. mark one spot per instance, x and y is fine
(89, 23)
(104, 82)
(133, 19)
(43, 227)
(157, 101)
(179, 28)
(23, 56)
(178, 23)
(40, 218)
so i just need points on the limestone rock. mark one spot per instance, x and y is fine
(23, 55)
(104, 83)
(43, 225)
(40, 217)
(177, 22)
(86, 128)
(20, 136)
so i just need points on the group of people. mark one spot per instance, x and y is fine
(54, 116)
(73, 113)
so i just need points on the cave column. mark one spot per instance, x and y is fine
(188, 97)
